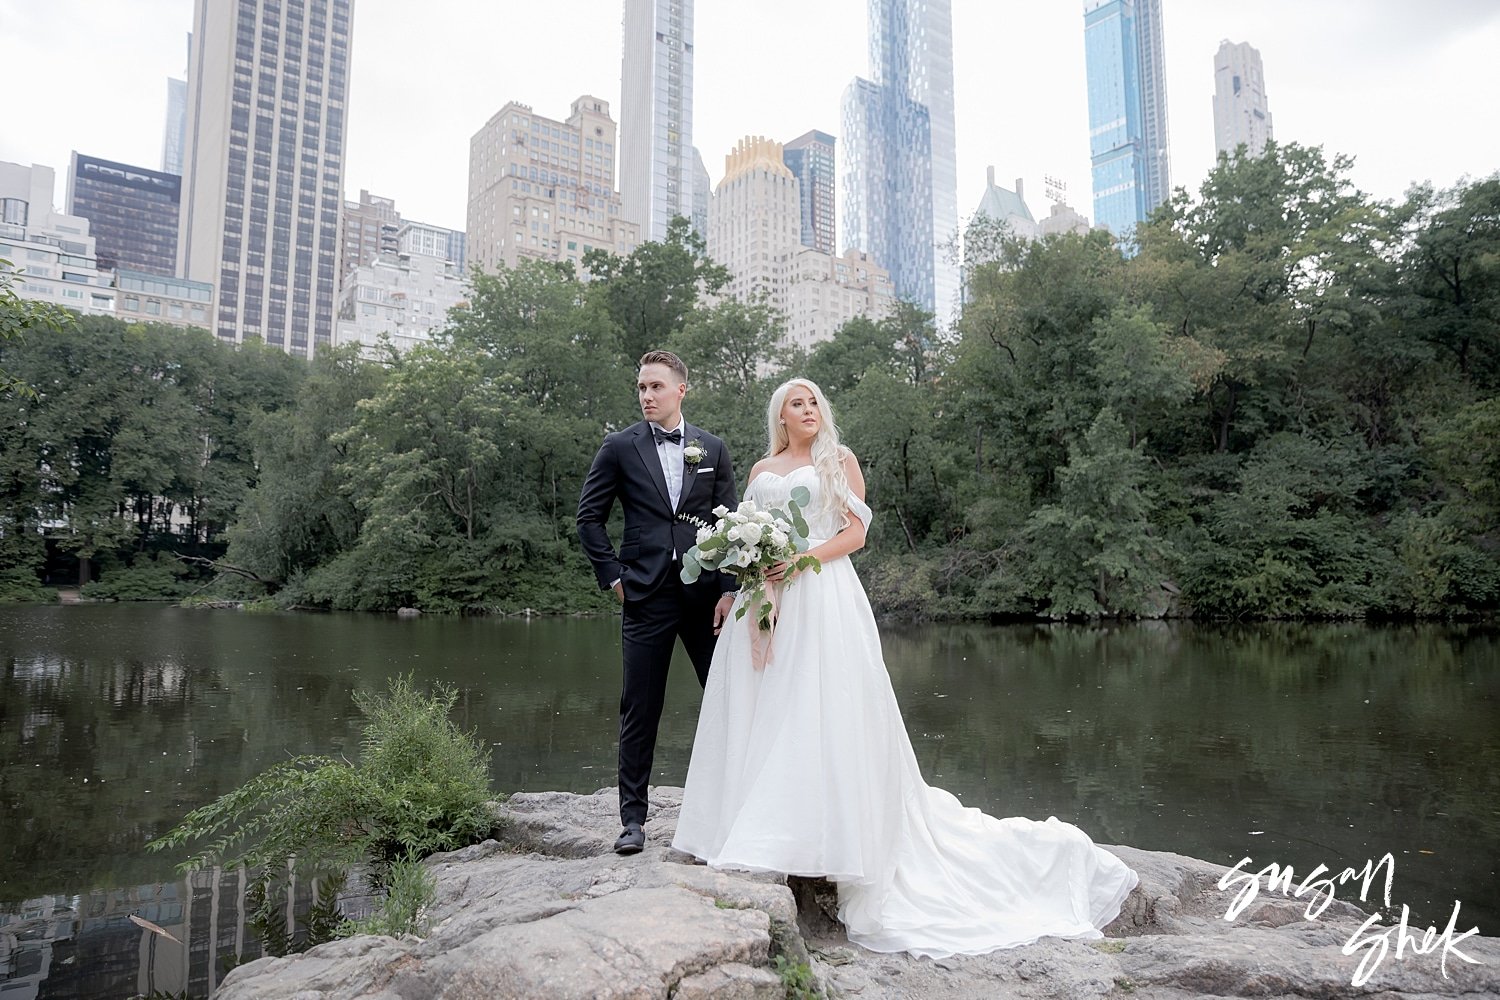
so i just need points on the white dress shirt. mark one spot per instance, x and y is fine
(670, 456)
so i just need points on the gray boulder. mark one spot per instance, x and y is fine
(547, 910)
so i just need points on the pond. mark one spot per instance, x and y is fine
(1296, 744)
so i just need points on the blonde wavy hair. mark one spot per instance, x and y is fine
(827, 453)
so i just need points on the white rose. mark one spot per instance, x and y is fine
(778, 539)
(743, 558)
(746, 507)
(720, 510)
(763, 517)
(704, 534)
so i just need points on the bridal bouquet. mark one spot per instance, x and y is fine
(748, 541)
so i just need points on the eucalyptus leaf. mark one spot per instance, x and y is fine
(800, 496)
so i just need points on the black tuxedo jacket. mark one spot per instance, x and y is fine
(627, 469)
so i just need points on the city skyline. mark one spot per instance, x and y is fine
(1026, 114)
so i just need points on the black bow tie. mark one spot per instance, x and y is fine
(675, 437)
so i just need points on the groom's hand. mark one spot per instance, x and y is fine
(619, 589)
(721, 611)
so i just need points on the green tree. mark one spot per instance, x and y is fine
(1141, 366)
(1451, 275)
(18, 317)
(651, 293)
(734, 362)
(1094, 551)
(1288, 540)
(299, 513)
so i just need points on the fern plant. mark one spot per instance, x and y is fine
(421, 786)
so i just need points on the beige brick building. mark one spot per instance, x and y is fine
(755, 230)
(545, 189)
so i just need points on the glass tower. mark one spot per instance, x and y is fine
(656, 114)
(810, 157)
(175, 132)
(899, 179)
(1127, 110)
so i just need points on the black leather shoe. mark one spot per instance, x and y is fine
(631, 840)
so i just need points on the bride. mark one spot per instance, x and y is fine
(804, 766)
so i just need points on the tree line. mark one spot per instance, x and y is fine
(1283, 401)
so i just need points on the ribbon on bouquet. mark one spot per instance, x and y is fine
(760, 638)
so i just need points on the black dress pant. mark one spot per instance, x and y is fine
(649, 629)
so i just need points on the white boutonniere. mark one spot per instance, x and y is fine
(693, 451)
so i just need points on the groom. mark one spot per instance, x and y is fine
(657, 469)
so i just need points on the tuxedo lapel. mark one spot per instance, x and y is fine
(645, 446)
(689, 434)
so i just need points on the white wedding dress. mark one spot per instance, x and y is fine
(805, 768)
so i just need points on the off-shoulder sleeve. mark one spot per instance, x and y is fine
(860, 509)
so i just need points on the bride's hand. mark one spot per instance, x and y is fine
(778, 573)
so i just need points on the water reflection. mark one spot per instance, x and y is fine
(1296, 744)
(87, 945)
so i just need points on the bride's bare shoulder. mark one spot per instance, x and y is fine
(853, 474)
(756, 470)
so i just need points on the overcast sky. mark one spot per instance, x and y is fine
(1407, 88)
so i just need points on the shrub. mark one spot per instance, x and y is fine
(409, 892)
(18, 584)
(147, 579)
(420, 786)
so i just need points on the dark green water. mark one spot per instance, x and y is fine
(1294, 744)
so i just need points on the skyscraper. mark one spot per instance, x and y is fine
(174, 130)
(543, 188)
(656, 114)
(703, 191)
(899, 174)
(886, 182)
(810, 157)
(1241, 112)
(1127, 95)
(1157, 149)
(753, 221)
(132, 213)
(263, 166)
(755, 231)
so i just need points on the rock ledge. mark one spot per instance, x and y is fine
(547, 910)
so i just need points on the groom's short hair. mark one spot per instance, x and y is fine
(667, 358)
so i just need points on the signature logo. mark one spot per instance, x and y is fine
(1321, 884)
